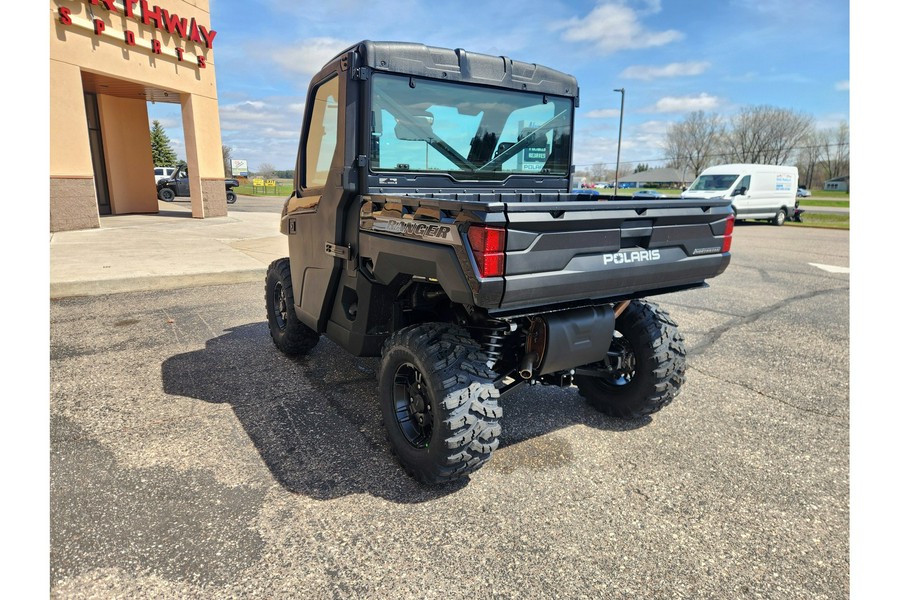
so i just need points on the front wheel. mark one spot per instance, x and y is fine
(290, 335)
(645, 368)
(166, 195)
(230, 197)
(439, 402)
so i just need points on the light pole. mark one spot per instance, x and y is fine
(619, 148)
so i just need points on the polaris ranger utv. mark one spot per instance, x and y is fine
(432, 224)
(178, 184)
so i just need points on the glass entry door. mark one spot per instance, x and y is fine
(97, 157)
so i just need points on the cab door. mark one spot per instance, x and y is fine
(314, 217)
(182, 184)
(741, 198)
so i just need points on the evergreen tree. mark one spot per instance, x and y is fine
(163, 155)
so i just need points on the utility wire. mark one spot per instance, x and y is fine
(721, 155)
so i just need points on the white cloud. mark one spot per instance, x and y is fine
(248, 114)
(842, 86)
(594, 149)
(262, 130)
(830, 121)
(676, 104)
(604, 113)
(647, 72)
(641, 143)
(612, 27)
(653, 128)
(307, 57)
(168, 123)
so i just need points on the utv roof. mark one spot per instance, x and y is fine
(461, 65)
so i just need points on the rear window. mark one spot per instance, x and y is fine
(467, 131)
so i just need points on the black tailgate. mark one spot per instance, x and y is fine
(570, 251)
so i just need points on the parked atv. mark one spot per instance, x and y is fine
(432, 225)
(168, 188)
(798, 212)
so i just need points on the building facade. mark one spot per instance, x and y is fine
(108, 59)
(838, 184)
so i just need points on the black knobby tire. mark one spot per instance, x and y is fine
(439, 403)
(290, 335)
(779, 217)
(652, 369)
(166, 195)
(230, 197)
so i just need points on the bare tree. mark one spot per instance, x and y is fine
(265, 170)
(691, 144)
(766, 134)
(226, 160)
(836, 152)
(809, 155)
(598, 171)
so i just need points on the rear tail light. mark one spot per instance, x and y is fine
(729, 229)
(488, 246)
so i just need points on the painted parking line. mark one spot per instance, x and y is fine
(831, 268)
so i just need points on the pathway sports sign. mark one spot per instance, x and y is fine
(239, 168)
(139, 12)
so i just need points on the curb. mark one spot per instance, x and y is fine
(101, 287)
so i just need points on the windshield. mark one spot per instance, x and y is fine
(467, 131)
(713, 183)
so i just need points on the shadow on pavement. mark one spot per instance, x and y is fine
(175, 213)
(316, 424)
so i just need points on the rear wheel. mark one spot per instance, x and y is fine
(230, 197)
(166, 195)
(645, 368)
(290, 335)
(780, 217)
(438, 401)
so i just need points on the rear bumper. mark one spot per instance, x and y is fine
(587, 277)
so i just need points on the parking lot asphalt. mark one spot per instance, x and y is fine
(190, 459)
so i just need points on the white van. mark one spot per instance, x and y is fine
(756, 191)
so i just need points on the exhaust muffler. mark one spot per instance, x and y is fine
(567, 339)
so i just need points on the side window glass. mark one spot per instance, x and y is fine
(322, 139)
(744, 184)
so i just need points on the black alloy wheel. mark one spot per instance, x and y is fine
(623, 364)
(439, 403)
(645, 365)
(279, 306)
(412, 406)
(290, 335)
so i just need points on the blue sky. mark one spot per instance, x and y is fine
(672, 57)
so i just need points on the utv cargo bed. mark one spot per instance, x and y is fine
(560, 249)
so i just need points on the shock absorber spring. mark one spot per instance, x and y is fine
(493, 332)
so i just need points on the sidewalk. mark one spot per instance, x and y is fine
(164, 251)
